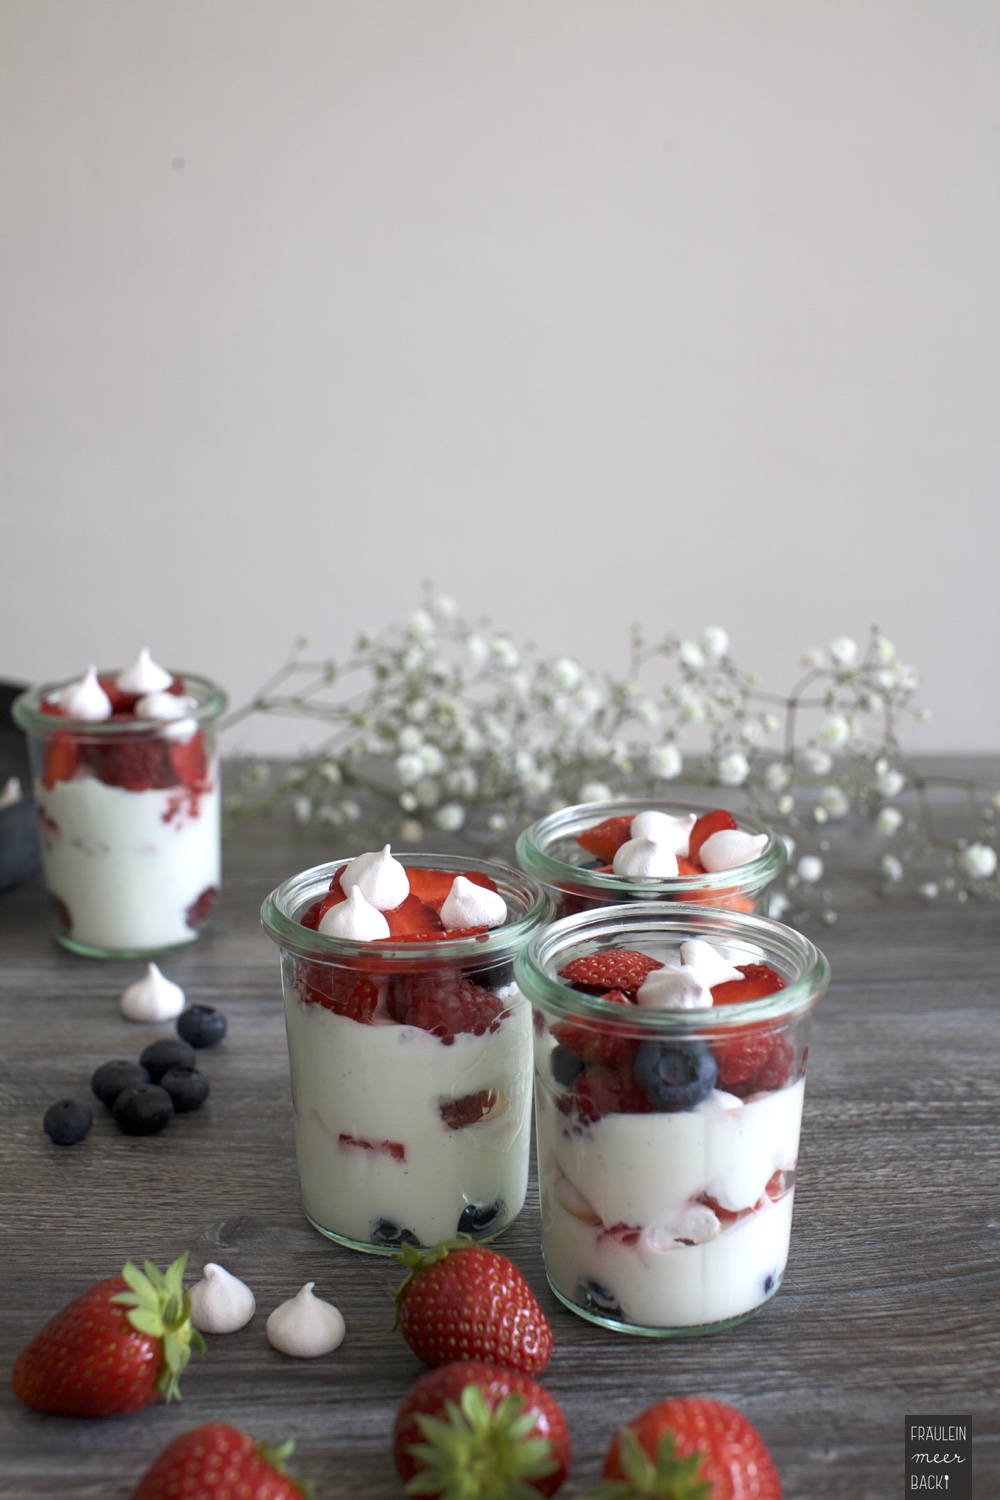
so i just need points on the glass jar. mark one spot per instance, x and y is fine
(549, 851)
(668, 1139)
(404, 1132)
(129, 818)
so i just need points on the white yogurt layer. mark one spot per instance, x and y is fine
(128, 864)
(621, 1197)
(372, 1145)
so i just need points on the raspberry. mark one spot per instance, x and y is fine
(596, 1041)
(601, 1090)
(340, 990)
(136, 765)
(458, 1113)
(446, 1005)
(753, 1061)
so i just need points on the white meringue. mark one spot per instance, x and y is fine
(144, 675)
(680, 988)
(645, 859)
(354, 918)
(220, 1303)
(382, 879)
(86, 700)
(152, 998)
(306, 1327)
(708, 962)
(729, 847)
(663, 828)
(163, 705)
(693, 1224)
(470, 905)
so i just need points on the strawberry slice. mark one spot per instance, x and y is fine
(605, 839)
(458, 1113)
(596, 1042)
(705, 826)
(758, 981)
(689, 866)
(339, 990)
(752, 1062)
(333, 897)
(607, 1090)
(413, 918)
(189, 759)
(136, 765)
(62, 756)
(434, 886)
(395, 1149)
(611, 969)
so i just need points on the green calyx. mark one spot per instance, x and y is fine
(668, 1477)
(416, 1260)
(474, 1452)
(160, 1308)
(275, 1457)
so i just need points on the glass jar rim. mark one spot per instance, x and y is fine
(567, 822)
(612, 926)
(210, 701)
(299, 891)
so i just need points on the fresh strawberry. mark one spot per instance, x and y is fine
(434, 886)
(445, 1004)
(198, 913)
(461, 1300)
(473, 1431)
(216, 1461)
(469, 1110)
(413, 918)
(62, 756)
(705, 826)
(605, 839)
(611, 969)
(689, 866)
(189, 759)
(114, 1349)
(689, 1448)
(758, 980)
(596, 1041)
(342, 990)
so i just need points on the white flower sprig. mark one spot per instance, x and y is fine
(442, 723)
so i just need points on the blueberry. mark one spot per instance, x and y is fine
(111, 1077)
(597, 1299)
(494, 978)
(566, 1066)
(143, 1109)
(388, 1233)
(167, 1053)
(188, 1089)
(476, 1218)
(67, 1122)
(201, 1026)
(770, 1283)
(675, 1075)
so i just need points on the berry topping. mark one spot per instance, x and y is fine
(143, 1109)
(169, 1052)
(675, 1075)
(758, 980)
(705, 826)
(111, 1077)
(605, 839)
(188, 1089)
(137, 765)
(201, 1026)
(67, 1122)
(342, 990)
(610, 969)
(446, 1005)
(606, 1090)
(595, 1040)
(458, 1113)
(198, 913)
(476, 1218)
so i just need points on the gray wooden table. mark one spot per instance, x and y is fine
(891, 1304)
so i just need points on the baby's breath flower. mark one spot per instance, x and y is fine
(752, 732)
(836, 801)
(843, 651)
(835, 730)
(813, 657)
(889, 821)
(817, 762)
(450, 817)
(666, 761)
(477, 650)
(777, 776)
(779, 904)
(714, 642)
(732, 769)
(690, 654)
(567, 673)
(979, 861)
(302, 808)
(595, 791)
(892, 868)
(929, 890)
(421, 625)
(890, 783)
(810, 868)
(504, 651)
(411, 831)
(409, 767)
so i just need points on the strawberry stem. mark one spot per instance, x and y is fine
(474, 1452)
(160, 1308)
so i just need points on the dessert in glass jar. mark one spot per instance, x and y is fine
(647, 849)
(670, 1057)
(409, 1044)
(126, 781)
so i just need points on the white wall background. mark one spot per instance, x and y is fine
(591, 311)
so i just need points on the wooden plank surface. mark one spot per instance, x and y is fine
(890, 1307)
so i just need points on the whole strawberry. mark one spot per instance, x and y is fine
(218, 1462)
(461, 1300)
(116, 1348)
(473, 1431)
(689, 1448)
